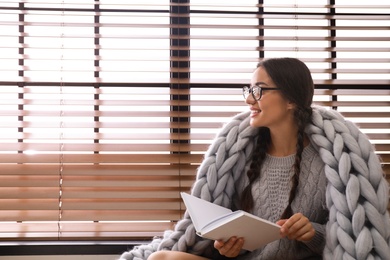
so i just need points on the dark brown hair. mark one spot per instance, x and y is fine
(294, 79)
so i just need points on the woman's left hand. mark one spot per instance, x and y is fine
(230, 248)
(297, 227)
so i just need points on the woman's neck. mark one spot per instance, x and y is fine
(284, 143)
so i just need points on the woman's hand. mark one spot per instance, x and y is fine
(297, 227)
(230, 248)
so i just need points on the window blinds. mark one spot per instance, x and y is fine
(107, 107)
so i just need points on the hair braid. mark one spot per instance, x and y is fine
(253, 173)
(302, 118)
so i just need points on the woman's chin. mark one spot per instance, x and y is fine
(255, 123)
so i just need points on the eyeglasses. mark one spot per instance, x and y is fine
(256, 91)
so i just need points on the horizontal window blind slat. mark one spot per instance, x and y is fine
(34, 158)
(282, 38)
(377, 114)
(122, 215)
(103, 158)
(88, 204)
(326, 82)
(353, 103)
(136, 114)
(352, 83)
(329, 60)
(386, 159)
(287, 15)
(128, 226)
(98, 215)
(111, 231)
(105, 136)
(97, 182)
(26, 235)
(340, 71)
(125, 90)
(128, 148)
(265, 48)
(94, 193)
(114, 148)
(118, 125)
(374, 136)
(25, 193)
(382, 148)
(20, 170)
(207, 37)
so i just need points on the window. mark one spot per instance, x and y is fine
(107, 107)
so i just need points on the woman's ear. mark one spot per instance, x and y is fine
(291, 105)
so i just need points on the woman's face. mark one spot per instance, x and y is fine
(272, 110)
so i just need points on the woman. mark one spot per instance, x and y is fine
(304, 167)
(285, 180)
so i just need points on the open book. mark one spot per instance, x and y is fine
(219, 223)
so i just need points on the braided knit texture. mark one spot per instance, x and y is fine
(357, 192)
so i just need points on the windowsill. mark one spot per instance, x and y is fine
(67, 247)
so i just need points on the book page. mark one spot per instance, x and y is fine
(255, 231)
(201, 211)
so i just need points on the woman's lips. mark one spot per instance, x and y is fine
(255, 112)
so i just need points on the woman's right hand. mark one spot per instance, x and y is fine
(230, 248)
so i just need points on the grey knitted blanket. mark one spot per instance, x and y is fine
(357, 192)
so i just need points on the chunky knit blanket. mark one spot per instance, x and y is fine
(357, 192)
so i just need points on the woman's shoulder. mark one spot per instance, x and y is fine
(311, 157)
(310, 150)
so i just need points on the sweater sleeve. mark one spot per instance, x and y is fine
(317, 243)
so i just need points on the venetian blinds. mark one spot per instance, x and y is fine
(107, 107)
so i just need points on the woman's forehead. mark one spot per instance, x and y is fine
(260, 76)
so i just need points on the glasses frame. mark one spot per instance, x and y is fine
(246, 90)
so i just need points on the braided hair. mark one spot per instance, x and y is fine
(294, 79)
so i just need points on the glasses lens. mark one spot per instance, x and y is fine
(245, 91)
(256, 91)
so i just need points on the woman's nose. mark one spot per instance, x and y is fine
(250, 100)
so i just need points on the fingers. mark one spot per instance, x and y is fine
(230, 248)
(297, 227)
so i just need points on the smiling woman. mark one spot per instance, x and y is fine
(108, 107)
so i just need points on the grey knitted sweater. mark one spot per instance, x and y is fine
(357, 194)
(271, 193)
